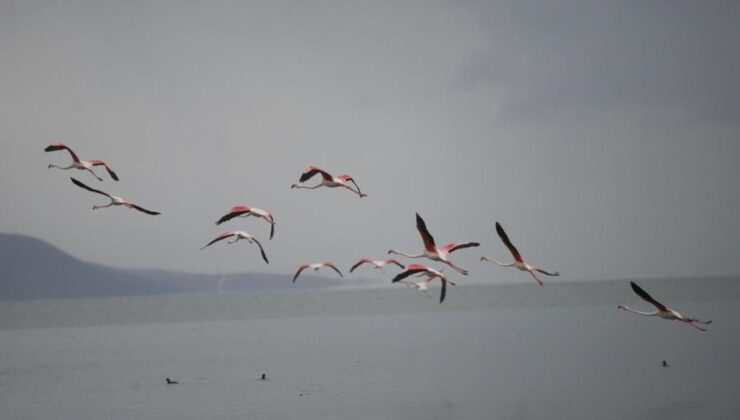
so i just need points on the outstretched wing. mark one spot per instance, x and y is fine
(233, 212)
(300, 268)
(452, 247)
(219, 238)
(359, 263)
(394, 261)
(350, 179)
(443, 292)
(646, 297)
(61, 146)
(262, 250)
(334, 267)
(505, 239)
(310, 171)
(406, 273)
(81, 185)
(425, 235)
(97, 162)
(141, 209)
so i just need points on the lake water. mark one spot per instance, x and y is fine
(488, 352)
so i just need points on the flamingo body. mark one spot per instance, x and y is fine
(429, 274)
(431, 251)
(518, 262)
(661, 311)
(238, 235)
(378, 264)
(246, 211)
(316, 267)
(327, 180)
(114, 200)
(77, 163)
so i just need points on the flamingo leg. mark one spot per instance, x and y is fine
(537, 278)
(456, 268)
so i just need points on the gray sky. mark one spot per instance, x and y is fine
(603, 135)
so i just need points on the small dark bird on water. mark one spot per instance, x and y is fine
(264, 377)
(665, 364)
(171, 382)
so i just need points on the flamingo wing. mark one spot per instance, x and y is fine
(97, 162)
(409, 271)
(61, 146)
(452, 247)
(443, 291)
(332, 266)
(359, 263)
(646, 297)
(505, 239)
(141, 209)
(310, 171)
(272, 230)
(262, 250)
(219, 238)
(350, 179)
(300, 268)
(394, 261)
(81, 185)
(425, 235)
(232, 213)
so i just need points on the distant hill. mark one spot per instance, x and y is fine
(33, 269)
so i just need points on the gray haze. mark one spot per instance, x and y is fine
(604, 136)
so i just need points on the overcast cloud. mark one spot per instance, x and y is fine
(603, 135)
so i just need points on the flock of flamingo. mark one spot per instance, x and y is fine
(414, 270)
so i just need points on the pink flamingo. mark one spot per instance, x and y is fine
(239, 234)
(246, 211)
(114, 200)
(315, 267)
(518, 260)
(662, 310)
(429, 273)
(85, 165)
(327, 180)
(430, 249)
(379, 264)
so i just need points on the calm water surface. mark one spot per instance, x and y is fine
(563, 351)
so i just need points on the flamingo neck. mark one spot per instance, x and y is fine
(395, 251)
(627, 308)
(499, 262)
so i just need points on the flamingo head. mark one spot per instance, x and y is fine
(392, 251)
(294, 186)
(622, 307)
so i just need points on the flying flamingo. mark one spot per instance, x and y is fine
(327, 180)
(315, 267)
(430, 249)
(662, 311)
(518, 260)
(85, 165)
(245, 211)
(379, 264)
(238, 234)
(114, 200)
(429, 273)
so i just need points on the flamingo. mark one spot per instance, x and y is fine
(379, 264)
(315, 267)
(662, 310)
(85, 165)
(327, 180)
(430, 249)
(429, 273)
(518, 260)
(246, 211)
(114, 200)
(238, 234)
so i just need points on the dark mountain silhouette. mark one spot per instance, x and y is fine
(33, 269)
